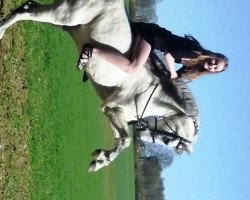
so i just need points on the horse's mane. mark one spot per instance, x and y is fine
(177, 88)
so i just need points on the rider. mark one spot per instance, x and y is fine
(186, 50)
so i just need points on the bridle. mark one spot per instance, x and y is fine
(174, 135)
(141, 124)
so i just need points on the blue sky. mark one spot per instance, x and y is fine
(219, 167)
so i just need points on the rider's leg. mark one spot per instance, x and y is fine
(140, 55)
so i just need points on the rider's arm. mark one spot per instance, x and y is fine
(169, 60)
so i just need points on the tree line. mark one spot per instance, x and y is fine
(144, 10)
(150, 158)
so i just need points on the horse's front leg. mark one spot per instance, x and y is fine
(102, 158)
(63, 13)
(120, 129)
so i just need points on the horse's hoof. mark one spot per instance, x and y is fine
(99, 154)
(96, 165)
(92, 166)
(96, 153)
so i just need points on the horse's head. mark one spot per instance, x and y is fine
(177, 131)
(184, 132)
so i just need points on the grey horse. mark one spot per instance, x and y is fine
(124, 96)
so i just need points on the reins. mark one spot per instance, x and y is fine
(174, 135)
(139, 118)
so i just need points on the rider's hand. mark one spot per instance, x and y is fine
(174, 75)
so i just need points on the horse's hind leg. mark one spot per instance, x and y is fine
(64, 13)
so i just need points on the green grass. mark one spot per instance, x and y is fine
(14, 123)
(66, 125)
(46, 107)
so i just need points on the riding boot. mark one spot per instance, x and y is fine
(85, 77)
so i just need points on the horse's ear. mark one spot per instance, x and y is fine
(183, 148)
(187, 150)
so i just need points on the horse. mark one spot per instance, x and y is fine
(125, 98)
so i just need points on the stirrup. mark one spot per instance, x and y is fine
(86, 53)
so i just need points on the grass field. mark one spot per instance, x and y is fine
(50, 122)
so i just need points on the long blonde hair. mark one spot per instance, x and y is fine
(193, 67)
